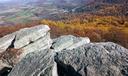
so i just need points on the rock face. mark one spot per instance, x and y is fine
(43, 43)
(39, 63)
(92, 59)
(64, 56)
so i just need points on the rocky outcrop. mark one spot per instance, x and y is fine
(43, 62)
(92, 59)
(64, 56)
(17, 45)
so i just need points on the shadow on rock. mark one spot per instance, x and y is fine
(5, 71)
(66, 70)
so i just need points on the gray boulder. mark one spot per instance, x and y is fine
(69, 42)
(28, 35)
(40, 63)
(62, 42)
(42, 43)
(93, 59)
(78, 41)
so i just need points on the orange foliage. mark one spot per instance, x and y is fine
(97, 28)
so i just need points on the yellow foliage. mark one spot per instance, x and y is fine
(105, 28)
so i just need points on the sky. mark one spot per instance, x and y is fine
(5, 0)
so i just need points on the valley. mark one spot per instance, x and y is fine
(27, 13)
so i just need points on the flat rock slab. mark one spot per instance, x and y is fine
(69, 42)
(78, 41)
(28, 35)
(42, 43)
(62, 42)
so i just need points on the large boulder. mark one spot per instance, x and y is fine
(92, 59)
(29, 35)
(40, 63)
